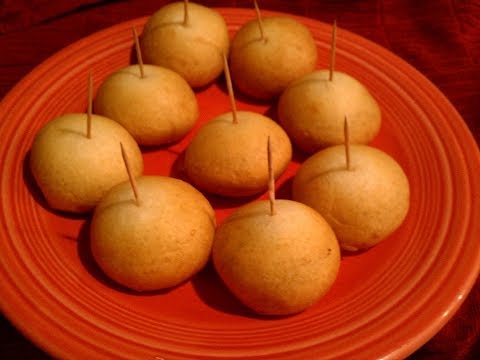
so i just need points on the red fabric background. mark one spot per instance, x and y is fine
(441, 38)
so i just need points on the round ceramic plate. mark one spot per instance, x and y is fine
(386, 302)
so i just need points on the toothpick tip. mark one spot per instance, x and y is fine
(259, 19)
(231, 95)
(346, 134)
(333, 50)
(133, 182)
(271, 178)
(138, 51)
(185, 13)
(89, 104)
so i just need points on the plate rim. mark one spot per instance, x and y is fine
(463, 129)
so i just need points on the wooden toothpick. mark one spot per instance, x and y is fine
(259, 19)
(333, 49)
(231, 96)
(131, 178)
(89, 106)
(346, 135)
(271, 179)
(138, 51)
(185, 13)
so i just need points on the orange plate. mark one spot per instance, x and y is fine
(387, 301)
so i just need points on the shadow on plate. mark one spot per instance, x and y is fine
(212, 291)
(284, 191)
(239, 96)
(218, 202)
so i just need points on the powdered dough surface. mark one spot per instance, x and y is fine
(312, 111)
(364, 204)
(74, 172)
(194, 51)
(158, 244)
(279, 264)
(231, 159)
(264, 68)
(157, 109)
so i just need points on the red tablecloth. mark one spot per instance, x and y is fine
(441, 38)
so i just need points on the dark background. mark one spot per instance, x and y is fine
(441, 38)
